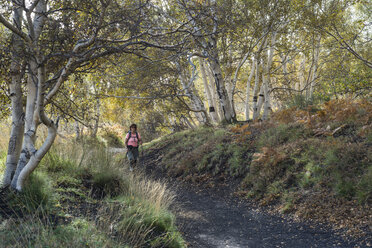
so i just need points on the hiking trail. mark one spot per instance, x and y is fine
(213, 217)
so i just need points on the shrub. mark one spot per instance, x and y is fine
(39, 232)
(364, 187)
(301, 102)
(281, 134)
(108, 182)
(37, 195)
(141, 224)
(268, 166)
(239, 159)
(55, 163)
(112, 139)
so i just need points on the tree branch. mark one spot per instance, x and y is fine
(14, 29)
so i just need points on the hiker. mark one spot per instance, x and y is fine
(132, 141)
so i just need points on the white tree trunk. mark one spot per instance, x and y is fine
(228, 80)
(188, 123)
(315, 66)
(260, 102)
(35, 27)
(30, 157)
(29, 137)
(255, 90)
(16, 133)
(96, 118)
(266, 79)
(77, 130)
(212, 108)
(228, 112)
(247, 93)
(197, 105)
(35, 156)
(301, 74)
(267, 106)
(210, 48)
(97, 114)
(218, 110)
(256, 106)
(285, 70)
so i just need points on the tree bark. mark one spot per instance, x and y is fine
(196, 103)
(188, 123)
(267, 106)
(266, 78)
(29, 137)
(228, 112)
(77, 130)
(315, 66)
(301, 74)
(260, 102)
(97, 113)
(35, 156)
(210, 49)
(255, 89)
(228, 80)
(16, 133)
(212, 108)
(247, 93)
(213, 90)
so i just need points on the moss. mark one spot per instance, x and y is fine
(68, 181)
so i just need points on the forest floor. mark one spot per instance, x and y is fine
(215, 217)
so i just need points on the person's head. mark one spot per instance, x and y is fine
(133, 127)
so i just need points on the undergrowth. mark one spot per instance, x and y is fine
(205, 151)
(66, 198)
(313, 160)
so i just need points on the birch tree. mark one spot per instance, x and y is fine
(207, 89)
(97, 32)
(16, 133)
(197, 105)
(206, 39)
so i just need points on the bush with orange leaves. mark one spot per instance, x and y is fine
(358, 112)
(267, 165)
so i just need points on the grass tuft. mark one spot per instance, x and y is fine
(65, 192)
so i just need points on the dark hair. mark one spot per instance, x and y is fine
(133, 125)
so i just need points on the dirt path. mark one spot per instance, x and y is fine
(208, 220)
(213, 218)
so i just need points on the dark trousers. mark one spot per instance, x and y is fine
(132, 155)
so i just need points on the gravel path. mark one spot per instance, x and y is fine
(213, 218)
(209, 220)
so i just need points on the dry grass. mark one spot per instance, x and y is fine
(4, 139)
(132, 209)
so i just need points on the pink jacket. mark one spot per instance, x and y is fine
(133, 141)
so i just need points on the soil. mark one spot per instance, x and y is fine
(214, 217)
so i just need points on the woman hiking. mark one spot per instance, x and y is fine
(132, 141)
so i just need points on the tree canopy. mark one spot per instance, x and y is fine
(171, 64)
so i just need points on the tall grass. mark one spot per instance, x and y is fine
(4, 139)
(132, 210)
(37, 232)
